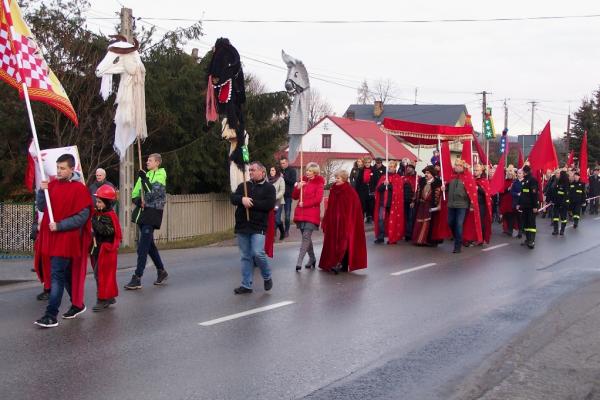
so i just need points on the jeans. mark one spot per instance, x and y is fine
(381, 222)
(409, 216)
(146, 247)
(252, 250)
(61, 280)
(288, 213)
(456, 220)
(278, 214)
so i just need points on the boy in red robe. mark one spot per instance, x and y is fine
(389, 207)
(66, 240)
(105, 247)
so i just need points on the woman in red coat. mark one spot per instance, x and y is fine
(509, 214)
(105, 247)
(307, 216)
(344, 244)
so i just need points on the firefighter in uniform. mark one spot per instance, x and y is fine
(559, 195)
(577, 197)
(528, 206)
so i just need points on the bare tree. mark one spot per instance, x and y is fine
(318, 108)
(363, 93)
(329, 169)
(383, 90)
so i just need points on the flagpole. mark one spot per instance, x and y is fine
(30, 113)
(37, 150)
(441, 166)
(139, 148)
(387, 159)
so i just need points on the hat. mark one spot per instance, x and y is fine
(378, 159)
(429, 169)
(526, 169)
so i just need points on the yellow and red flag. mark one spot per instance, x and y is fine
(21, 61)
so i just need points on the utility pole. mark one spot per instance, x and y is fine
(416, 92)
(533, 104)
(483, 113)
(126, 166)
(569, 131)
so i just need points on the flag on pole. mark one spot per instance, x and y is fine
(497, 181)
(543, 155)
(467, 152)
(571, 158)
(49, 157)
(583, 160)
(21, 61)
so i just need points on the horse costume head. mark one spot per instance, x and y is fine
(124, 59)
(297, 77)
(297, 84)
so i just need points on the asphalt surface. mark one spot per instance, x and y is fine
(364, 335)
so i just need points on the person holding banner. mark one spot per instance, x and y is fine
(149, 195)
(66, 240)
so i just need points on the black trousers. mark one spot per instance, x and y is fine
(529, 226)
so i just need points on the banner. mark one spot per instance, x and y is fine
(49, 158)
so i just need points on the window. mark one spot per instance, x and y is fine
(326, 141)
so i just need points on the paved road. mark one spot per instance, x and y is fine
(363, 335)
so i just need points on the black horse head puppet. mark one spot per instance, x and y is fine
(227, 80)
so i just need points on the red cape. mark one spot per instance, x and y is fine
(270, 234)
(440, 229)
(107, 261)
(67, 199)
(394, 220)
(472, 226)
(487, 223)
(41, 264)
(343, 229)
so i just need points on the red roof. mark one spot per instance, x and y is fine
(371, 137)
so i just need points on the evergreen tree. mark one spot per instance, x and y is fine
(587, 118)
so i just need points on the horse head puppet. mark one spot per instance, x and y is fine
(297, 84)
(124, 59)
(226, 93)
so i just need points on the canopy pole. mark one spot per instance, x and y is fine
(387, 158)
(441, 166)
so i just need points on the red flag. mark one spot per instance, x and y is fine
(21, 61)
(497, 181)
(543, 155)
(571, 158)
(520, 161)
(446, 161)
(30, 171)
(467, 152)
(583, 160)
(482, 158)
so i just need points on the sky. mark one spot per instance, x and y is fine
(555, 62)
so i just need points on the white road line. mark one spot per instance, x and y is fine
(245, 313)
(495, 247)
(596, 219)
(407, 271)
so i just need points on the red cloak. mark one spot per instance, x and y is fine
(394, 220)
(106, 270)
(344, 230)
(270, 234)
(68, 198)
(472, 225)
(41, 264)
(487, 222)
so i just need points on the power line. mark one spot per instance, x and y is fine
(376, 21)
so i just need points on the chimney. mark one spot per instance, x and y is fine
(350, 115)
(378, 108)
(195, 54)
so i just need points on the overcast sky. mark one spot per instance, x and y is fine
(555, 62)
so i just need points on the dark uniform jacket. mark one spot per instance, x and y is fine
(577, 193)
(529, 193)
(559, 195)
(594, 185)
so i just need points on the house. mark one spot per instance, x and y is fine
(336, 143)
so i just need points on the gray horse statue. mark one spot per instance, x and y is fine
(297, 84)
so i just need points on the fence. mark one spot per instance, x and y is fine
(15, 227)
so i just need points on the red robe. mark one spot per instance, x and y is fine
(394, 220)
(68, 198)
(270, 234)
(106, 269)
(487, 222)
(472, 226)
(344, 230)
(41, 264)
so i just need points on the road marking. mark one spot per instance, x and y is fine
(245, 313)
(596, 219)
(495, 247)
(407, 271)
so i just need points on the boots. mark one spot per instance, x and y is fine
(563, 225)
(281, 232)
(555, 225)
(575, 222)
(531, 240)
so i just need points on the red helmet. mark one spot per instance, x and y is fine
(106, 192)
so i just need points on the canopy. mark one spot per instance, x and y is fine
(425, 134)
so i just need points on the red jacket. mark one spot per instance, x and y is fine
(312, 195)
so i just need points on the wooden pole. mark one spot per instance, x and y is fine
(441, 167)
(301, 168)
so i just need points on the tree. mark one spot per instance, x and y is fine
(586, 118)
(384, 90)
(364, 95)
(318, 108)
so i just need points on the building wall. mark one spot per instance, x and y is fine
(340, 141)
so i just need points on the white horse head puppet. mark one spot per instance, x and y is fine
(297, 84)
(124, 59)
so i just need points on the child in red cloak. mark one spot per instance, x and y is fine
(105, 247)
(66, 240)
(389, 207)
(344, 244)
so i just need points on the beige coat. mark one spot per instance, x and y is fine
(279, 191)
